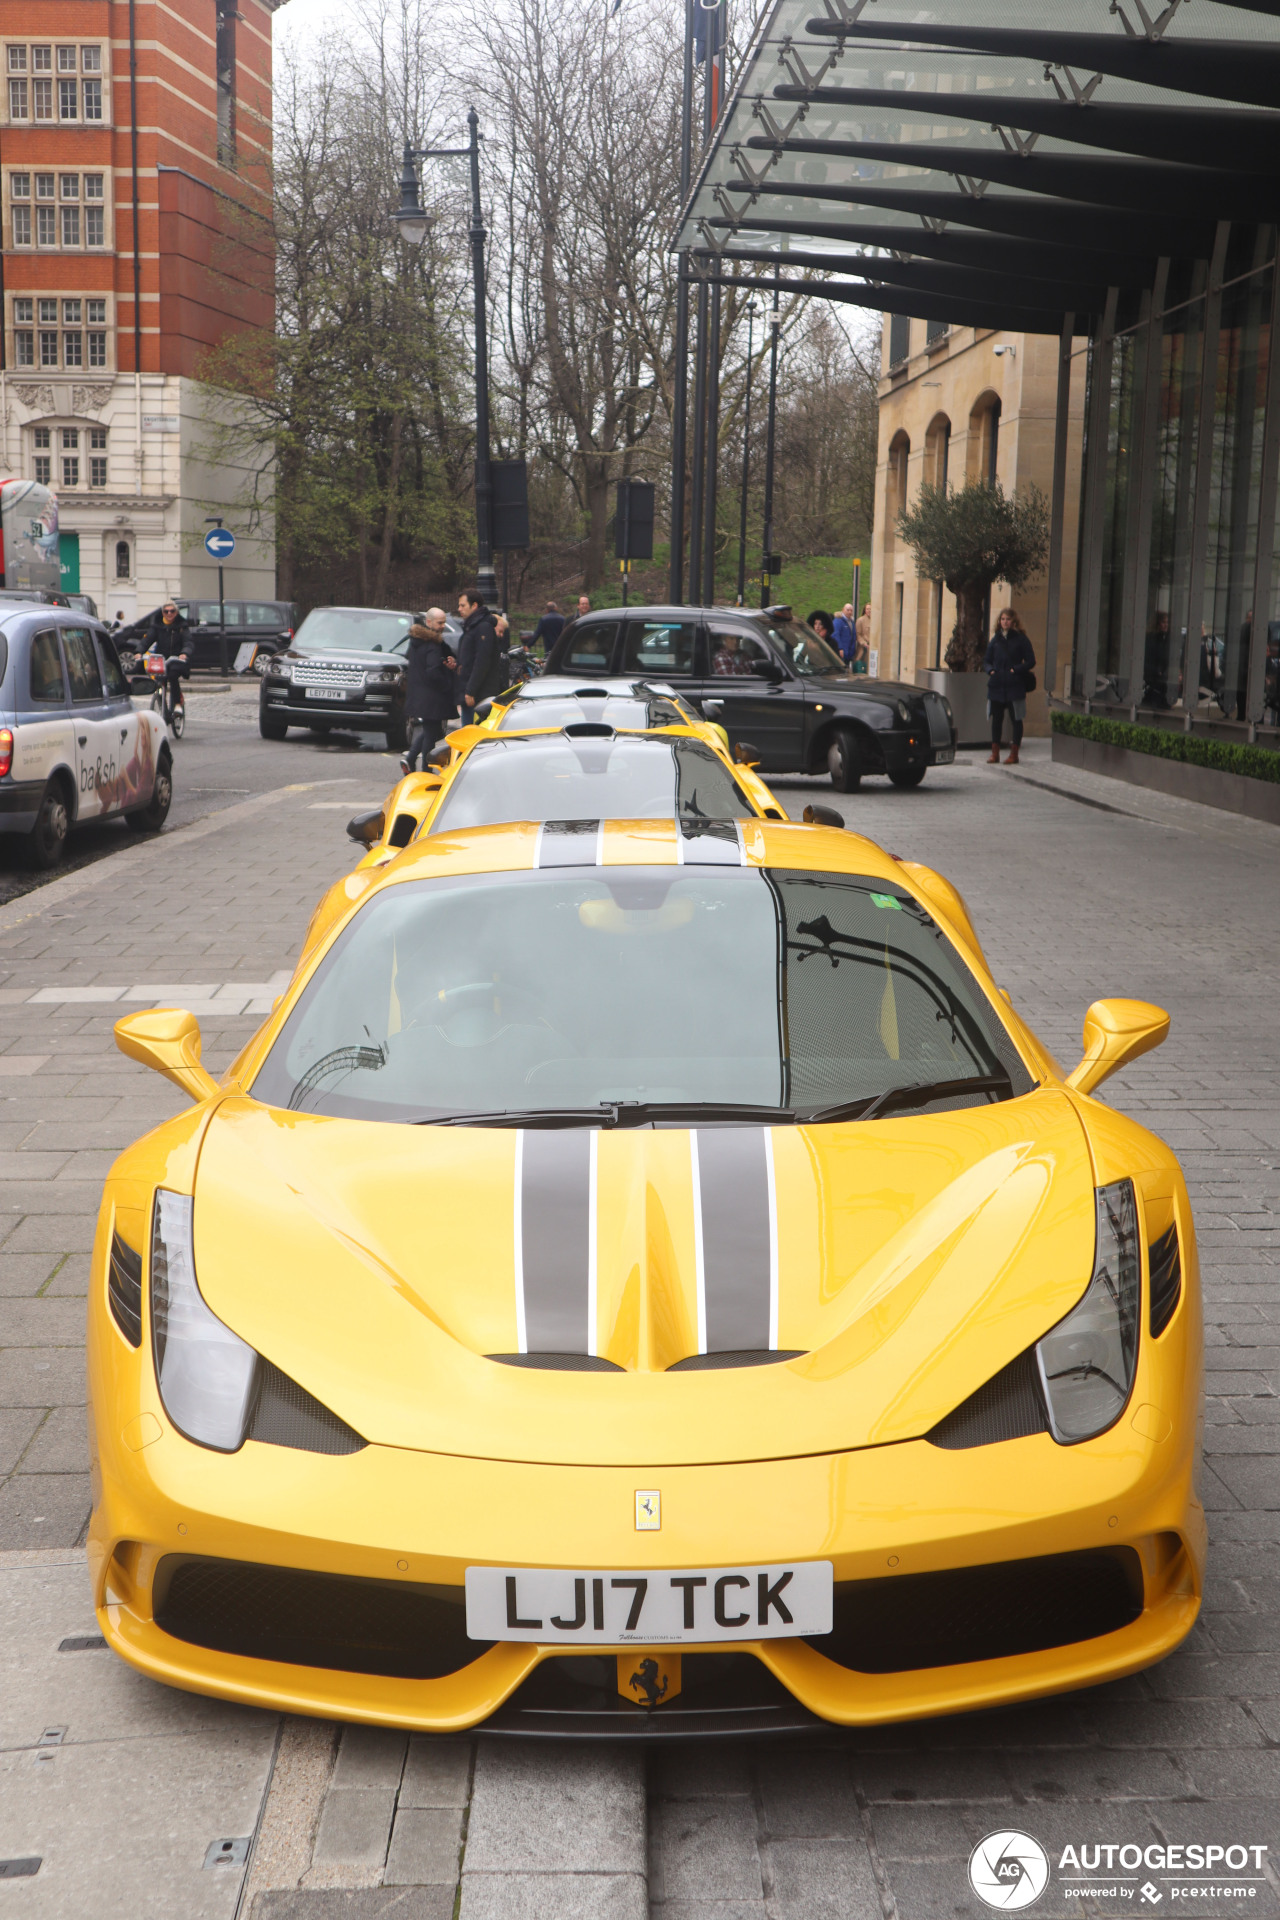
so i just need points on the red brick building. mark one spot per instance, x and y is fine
(135, 144)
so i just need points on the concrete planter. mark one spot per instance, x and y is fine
(967, 693)
(1232, 792)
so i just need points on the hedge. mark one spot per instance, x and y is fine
(1255, 763)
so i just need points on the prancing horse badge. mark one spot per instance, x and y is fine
(648, 1512)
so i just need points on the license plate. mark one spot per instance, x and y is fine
(326, 693)
(611, 1609)
(944, 756)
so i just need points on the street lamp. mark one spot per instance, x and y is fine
(746, 461)
(767, 562)
(414, 221)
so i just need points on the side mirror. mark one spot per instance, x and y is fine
(439, 756)
(767, 670)
(712, 709)
(169, 1041)
(748, 755)
(1115, 1032)
(822, 817)
(366, 828)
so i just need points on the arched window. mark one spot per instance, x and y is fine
(984, 440)
(124, 560)
(937, 449)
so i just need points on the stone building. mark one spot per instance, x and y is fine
(134, 195)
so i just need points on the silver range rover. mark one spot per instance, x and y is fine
(346, 669)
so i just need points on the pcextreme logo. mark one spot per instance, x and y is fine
(1009, 1870)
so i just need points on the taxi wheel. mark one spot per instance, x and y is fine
(843, 763)
(44, 844)
(908, 776)
(151, 818)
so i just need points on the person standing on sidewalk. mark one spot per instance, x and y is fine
(1010, 665)
(479, 671)
(862, 641)
(431, 692)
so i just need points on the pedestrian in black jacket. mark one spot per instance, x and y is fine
(479, 669)
(549, 627)
(1010, 665)
(431, 693)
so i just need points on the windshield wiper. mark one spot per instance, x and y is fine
(616, 1113)
(917, 1096)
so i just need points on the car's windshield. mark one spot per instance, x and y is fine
(806, 650)
(562, 712)
(590, 777)
(351, 629)
(574, 987)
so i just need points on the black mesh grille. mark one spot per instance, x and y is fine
(923, 1620)
(755, 1357)
(391, 1627)
(1165, 1259)
(403, 828)
(559, 1362)
(1006, 1407)
(124, 1289)
(286, 1415)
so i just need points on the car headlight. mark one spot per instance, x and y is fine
(903, 712)
(1087, 1361)
(382, 677)
(278, 670)
(205, 1372)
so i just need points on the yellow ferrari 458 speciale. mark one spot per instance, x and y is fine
(645, 1277)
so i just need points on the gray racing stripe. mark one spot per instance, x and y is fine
(555, 1223)
(717, 843)
(568, 843)
(737, 1249)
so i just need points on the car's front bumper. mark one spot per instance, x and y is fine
(395, 1516)
(371, 712)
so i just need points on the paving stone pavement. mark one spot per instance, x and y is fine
(121, 1788)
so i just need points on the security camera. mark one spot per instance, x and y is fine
(1011, 351)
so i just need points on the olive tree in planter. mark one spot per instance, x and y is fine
(970, 537)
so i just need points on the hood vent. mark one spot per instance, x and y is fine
(124, 1289)
(1164, 1258)
(1008, 1407)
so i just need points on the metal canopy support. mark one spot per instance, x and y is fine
(996, 254)
(1264, 578)
(1093, 505)
(713, 451)
(964, 283)
(1143, 430)
(956, 313)
(699, 442)
(680, 370)
(1058, 501)
(1204, 470)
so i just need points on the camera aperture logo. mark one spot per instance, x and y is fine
(1008, 1870)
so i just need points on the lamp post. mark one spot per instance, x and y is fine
(413, 222)
(767, 566)
(746, 461)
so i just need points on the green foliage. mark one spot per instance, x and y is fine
(1225, 756)
(973, 536)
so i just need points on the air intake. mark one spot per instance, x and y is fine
(1164, 1260)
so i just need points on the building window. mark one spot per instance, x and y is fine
(43, 437)
(98, 464)
(93, 99)
(19, 186)
(71, 226)
(899, 339)
(48, 349)
(17, 98)
(67, 91)
(71, 439)
(91, 59)
(43, 464)
(97, 473)
(44, 186)
(42, 99)
(42, 59)
(225, 67)
(24, 347)
(93, 186)
(73, 349)
(17, 59)
(70, 186)
(22, 226)
(43, 470)
(66, 59)
(95, 313)
(98, 437)
(46, 229)
(94, 227)
(123, 566)
(71, 473)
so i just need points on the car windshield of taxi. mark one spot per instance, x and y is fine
(548, 996)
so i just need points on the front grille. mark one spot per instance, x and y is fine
(1164, 1258)
(1007, 1407)
(124, 1289)
(394, 1628)
(286, 1415)
(913, 1621)
(939, 725)
(348, 677)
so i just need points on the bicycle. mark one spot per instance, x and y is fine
(168, 699)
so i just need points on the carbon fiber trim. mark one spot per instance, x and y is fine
(558, 1362)
(124, 1289)
(1007, 1407)
(1164, 1258)
(286, 1415)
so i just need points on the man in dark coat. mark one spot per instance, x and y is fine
(431, 693)
(549, 628)
(479, 668)
(1009, 663)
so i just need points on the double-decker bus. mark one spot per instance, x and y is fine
(28, 535)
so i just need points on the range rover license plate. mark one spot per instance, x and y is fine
(666, 1608)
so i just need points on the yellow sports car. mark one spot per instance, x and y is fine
(645, 1277)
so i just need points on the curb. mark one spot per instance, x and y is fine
(54, 892)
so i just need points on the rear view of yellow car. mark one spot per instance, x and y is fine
(644, 1276)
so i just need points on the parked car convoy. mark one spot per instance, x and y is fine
(771, 681)
(72, 745)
